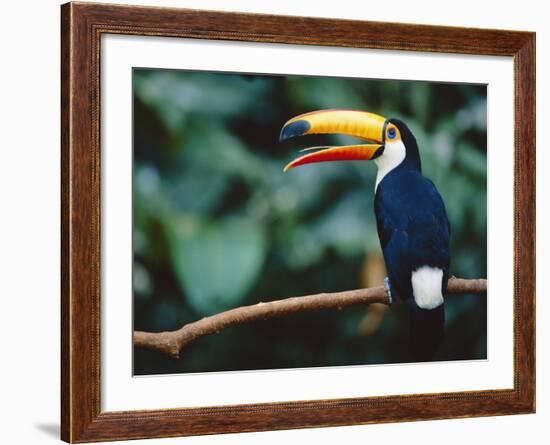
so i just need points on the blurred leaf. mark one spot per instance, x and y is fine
(471, 160)
(215, 150)
(172, 91)
(198, 191)
(319, 92)
(420, 102)
(216, 263)
(349, 226)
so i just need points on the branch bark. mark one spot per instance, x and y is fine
(172, 342)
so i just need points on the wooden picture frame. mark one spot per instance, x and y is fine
(82, 25)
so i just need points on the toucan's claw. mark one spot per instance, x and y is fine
(388, 290)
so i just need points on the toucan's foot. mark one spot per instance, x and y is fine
(388, 289)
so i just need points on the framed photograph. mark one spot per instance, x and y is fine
(274, 222)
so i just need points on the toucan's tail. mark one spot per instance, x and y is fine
(426, 332)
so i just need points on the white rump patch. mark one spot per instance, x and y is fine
(393, 155)
(426, 284)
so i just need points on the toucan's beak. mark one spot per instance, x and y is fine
(354, 123)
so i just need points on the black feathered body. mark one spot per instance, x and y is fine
(414, 232)
(413, 228)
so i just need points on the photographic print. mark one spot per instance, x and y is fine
(255, 188)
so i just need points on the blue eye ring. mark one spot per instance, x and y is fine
(392, 133)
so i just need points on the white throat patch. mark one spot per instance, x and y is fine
(394, 154)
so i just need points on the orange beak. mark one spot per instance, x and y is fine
(360, 124)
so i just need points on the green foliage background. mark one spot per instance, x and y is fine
(217, 224)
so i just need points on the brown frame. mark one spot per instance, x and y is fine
(81, 28)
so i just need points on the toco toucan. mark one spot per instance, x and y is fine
(412, 223)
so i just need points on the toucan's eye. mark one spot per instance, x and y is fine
(391, 133)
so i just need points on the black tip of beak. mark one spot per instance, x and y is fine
(296, 128)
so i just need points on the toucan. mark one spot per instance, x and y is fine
(412, 223)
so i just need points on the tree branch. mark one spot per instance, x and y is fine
(172, 342)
